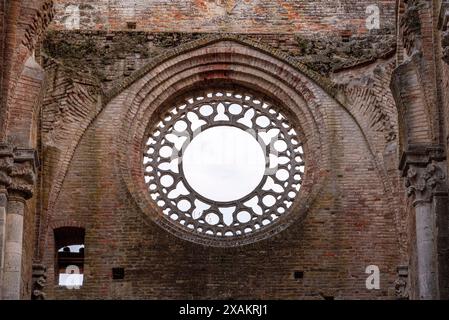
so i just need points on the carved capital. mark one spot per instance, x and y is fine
(423, 182)
(18, 170)
(401, 286)
(420, 156)
(410, 24)
(443, 26)
(6, 164)
(23, 173)
(39, 282)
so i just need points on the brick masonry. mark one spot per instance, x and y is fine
(134, 57)
(119, 234)
(236, 16)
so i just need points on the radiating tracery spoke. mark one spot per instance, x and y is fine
(223, 164)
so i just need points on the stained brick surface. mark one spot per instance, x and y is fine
(240, 16)
(349, 225)
(361, 98)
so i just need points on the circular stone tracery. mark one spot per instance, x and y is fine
(170, 155)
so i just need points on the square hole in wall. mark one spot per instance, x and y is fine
(131, 25)
(298, 275)
(118, 273)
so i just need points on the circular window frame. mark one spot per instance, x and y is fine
(297, 209)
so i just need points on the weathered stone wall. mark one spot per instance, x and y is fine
(112, 56)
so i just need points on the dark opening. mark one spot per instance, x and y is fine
(118, 273)
(298, 275)
(346, 35)
(131, 25)
(69, 245)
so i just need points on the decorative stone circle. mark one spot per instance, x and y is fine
(191, 211)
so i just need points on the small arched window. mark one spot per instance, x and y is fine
(69, 245)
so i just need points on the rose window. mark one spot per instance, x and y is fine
(223, 164)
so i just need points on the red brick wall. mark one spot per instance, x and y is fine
(239, 16)
(25, 23)
(347, 229)
(350, 225)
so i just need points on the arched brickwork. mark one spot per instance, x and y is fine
(334, 116)
(26, 22)
(113, 196)
(227, 60)
(23, 118)
(223, 62)
(278, 61)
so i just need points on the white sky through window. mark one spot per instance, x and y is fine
(224, 163)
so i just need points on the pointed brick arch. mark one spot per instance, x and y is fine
(216, 60)
(26, 22)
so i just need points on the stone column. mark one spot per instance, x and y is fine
(425, 182)
(19, 190)
(6, 165)
(3, 204)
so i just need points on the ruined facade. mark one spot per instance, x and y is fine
(85, 84)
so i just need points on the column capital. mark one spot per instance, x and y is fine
(6, 165)
(421, 156)
(23, 174)
(424, 182)
(424, 170)
(18, 167)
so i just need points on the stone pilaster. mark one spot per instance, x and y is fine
(425, 180)
(410, 24)
(443, 26)
(6, 165)
(20, 187)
